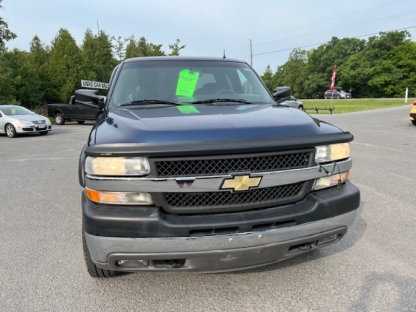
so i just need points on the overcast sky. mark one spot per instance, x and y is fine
(207, 27)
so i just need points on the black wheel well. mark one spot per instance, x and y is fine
(57, 111)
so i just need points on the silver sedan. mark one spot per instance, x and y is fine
(293, 102)
(16, 120)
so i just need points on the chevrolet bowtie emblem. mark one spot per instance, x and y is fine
(241, 183)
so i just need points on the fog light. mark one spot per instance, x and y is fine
(332, 180)
(131, 264)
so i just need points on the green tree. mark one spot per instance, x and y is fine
(374, 71)
(321, 62)
(7, 89)
(65, 66)
(404, 58)
(118, 46)
(294, 72)
(176, 48)
(141, 47)
(5, 33)
(267, 78)
(97, 56)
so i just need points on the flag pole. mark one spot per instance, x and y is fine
(334, 71)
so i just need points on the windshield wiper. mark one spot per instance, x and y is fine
(150, 101)
(222, 100)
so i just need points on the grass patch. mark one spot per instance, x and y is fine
(352, 105)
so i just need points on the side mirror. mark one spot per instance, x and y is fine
(90, 98)
(101, 102)
(1, 115)
(282, 94)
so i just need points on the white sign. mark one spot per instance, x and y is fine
(94, 84)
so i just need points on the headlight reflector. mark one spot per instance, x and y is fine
(117, 166)
(327, 153)
(331, 180)
(119, 198)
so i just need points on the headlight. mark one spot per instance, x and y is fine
(25, 122)
(331, 180)
(119, 198)
(327, 153)
(117, 166)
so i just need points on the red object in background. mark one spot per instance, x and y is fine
(334, 72)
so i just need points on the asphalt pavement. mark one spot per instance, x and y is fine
(371, 269)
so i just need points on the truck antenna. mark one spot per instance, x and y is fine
(223, 57)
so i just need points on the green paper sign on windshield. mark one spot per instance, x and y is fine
(188, 109)
(187, 83)
(13, 111)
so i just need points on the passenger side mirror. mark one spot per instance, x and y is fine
(282, 94)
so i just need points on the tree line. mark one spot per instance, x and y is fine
(51, 73)
(381, 66)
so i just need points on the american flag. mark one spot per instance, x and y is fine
(334, 72)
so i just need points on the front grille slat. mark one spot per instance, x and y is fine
(39, 122)
(227, 165)
(227, 199)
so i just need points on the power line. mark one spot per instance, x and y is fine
(319, 32)
(312, 45)
(325, 21)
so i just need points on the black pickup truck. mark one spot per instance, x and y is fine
(194, 166)
(80, 109)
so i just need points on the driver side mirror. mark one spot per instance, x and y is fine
(90, 98)
(101, 102)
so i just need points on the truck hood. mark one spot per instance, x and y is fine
(204, 123)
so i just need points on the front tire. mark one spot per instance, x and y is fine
(92, 269)
(59, 119)
(301, 108)
(10, 131)
(414, 122)
(81, 122)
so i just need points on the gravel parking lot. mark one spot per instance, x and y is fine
(371, 269)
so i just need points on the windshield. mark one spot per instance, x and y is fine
(15, 110)
(187, 82)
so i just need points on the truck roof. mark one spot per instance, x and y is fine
(181, 58)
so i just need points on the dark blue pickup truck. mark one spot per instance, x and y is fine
(194, 166)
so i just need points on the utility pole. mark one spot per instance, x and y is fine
(251, 54)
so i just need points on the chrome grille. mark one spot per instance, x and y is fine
(272, 195)
(39, 122)
(226, 165)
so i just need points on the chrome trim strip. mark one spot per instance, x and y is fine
(101, 247)
(211, 183)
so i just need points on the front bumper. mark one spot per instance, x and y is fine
(31, 128)
(216, 253)
(254, 238)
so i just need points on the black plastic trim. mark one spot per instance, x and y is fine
(81, 168)
(141, 222)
